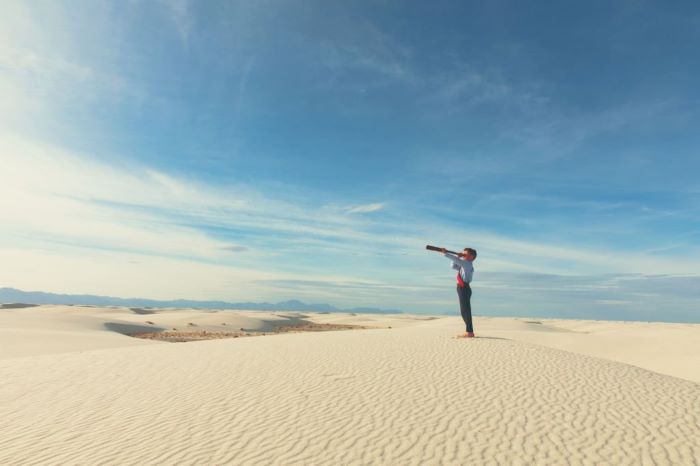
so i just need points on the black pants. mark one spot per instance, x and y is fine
(465, 305)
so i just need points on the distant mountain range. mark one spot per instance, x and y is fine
(12, 295)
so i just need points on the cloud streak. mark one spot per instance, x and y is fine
(366, 208)
(65, 203)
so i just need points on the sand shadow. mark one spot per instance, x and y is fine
(17, 305)
(276, 325)
(131, 329)
(483, 338)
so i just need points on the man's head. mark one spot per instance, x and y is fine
(469, 254)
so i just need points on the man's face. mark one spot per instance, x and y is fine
(467, 256)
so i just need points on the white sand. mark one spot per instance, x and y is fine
(406, 395)
(54, 329)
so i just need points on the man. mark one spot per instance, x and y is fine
(465, 271)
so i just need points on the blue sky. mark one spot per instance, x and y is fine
(275, 150)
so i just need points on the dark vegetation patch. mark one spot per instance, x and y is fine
(17, 305)
(176, 336)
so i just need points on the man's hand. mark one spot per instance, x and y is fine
(443, 250)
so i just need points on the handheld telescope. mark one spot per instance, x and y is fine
(435, 248)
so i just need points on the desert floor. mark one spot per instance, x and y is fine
(75, 389)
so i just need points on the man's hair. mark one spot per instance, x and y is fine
(472, 252)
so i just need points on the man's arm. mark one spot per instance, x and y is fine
(456, 261)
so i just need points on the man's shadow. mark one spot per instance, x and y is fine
(483, 338)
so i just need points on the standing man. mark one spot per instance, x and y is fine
(465, 271)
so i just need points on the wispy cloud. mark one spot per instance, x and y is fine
(64, 201)
(235, 248)
(43, 81)
(63, 189)
(366, 208)
(362, 48)
(556, 134)
(180, 13)
(601, 296)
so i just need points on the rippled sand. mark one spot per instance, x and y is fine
(410, 394)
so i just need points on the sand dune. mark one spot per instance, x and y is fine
(53, 329)
(407, 395)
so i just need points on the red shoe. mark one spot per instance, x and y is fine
(470, 335)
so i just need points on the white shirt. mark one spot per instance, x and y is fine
(466, 268)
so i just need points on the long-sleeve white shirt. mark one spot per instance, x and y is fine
(466, 268)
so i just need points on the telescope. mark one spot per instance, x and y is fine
(435, 248)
